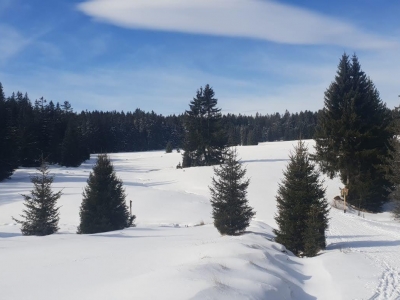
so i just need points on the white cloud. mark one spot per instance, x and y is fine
(259, 19)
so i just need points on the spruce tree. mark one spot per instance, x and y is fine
(5, 169)
(8, 139)
(302, 208)
(394, 161)
(353, 136)
(41, 215)
(168, 147)
(231, 212)
(205, 139)
(73, 151)
(104, 206)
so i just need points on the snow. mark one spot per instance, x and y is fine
(169, 256)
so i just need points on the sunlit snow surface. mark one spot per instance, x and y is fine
(168, 257)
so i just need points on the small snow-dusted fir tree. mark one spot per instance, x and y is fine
(104, 207)
(41, 215)
(231, 212)
(302, 208)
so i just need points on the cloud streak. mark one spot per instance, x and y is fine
(127, 89)
(11, 42)
(257, 19)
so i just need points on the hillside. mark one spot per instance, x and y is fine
(167, 256)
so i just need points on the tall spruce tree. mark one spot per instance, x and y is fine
(353, 136)
(302, 208)
(394, 161)
(205, 139)
(104, 206)
(73, 150)
(231, 211)
(6, 169)
(41, 215)
(8, 138)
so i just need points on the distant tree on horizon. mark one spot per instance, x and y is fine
(205, 138)
(104, 206)
(302, 215)
(231, 211)
(41, 215)
(168, 147)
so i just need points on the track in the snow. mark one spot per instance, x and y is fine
(377, 241)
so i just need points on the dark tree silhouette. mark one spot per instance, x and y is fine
(104, 206)
(205, 138)
(353, 136)
(231, 212)
(302, 208)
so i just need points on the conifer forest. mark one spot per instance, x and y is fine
(32, 128)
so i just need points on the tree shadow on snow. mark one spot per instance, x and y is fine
(149, 184)
(116, 235)
(264, 160)
(348, 236)
(362, 244)
(269, 237)
(9, 234)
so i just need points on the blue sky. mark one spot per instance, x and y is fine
(258, 55)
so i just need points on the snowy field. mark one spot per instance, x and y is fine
(169, 256)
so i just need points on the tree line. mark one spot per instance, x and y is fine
(30, 130)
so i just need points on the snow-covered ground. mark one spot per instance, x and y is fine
(168, 256)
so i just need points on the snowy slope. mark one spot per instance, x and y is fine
(168, 257)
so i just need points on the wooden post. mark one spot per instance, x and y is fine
(344, 192)
(130, 207)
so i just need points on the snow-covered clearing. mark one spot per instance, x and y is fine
(167, 256)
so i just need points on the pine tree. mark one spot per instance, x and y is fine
(394, 161)
(302, 208)
(168, 148)
(73, 151)
(104, 207)
(8, 138)
(353, 135)
(231, 212)
(6, 169)
(41, 215)
(204, 139)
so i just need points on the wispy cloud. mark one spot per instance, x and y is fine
(164, 90)
(266, 20)
(11, 42)
(169, 89)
